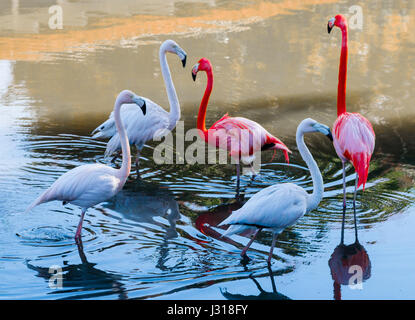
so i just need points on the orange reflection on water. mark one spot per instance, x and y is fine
(110, 31)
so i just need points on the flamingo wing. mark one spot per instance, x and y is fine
(354, 140)
(243, 137)
(275, 207)
(84, 186)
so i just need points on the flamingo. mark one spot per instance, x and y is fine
(229, 132)
(353, 138)
(158, 121)
(90, 184)
(279, 206)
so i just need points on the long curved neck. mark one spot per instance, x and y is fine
(201, 118)
(174, 115)
(341, 89)
(318, 187)
(124, 171)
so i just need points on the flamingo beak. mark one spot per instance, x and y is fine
(330, 25)
(324, 130)
(144, 108)
(195, 69)
(281, 146)
(182, 55)
(96, 135)
(141, 103)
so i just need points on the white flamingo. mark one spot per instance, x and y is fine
(157, 122)
(281, 205)
(90, 184)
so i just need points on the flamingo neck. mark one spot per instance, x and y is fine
(318, 187)
(174, 114)
(124, 171)
(201, 118)
(341, 89)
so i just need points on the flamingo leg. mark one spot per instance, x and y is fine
(243, 253)
(238, 174)
(79, 228)
(137, 163)
(354, 206)
(274, 288)
(115, 157)
(257, 284)
(253, 172)
(344, 202)
(274, 238)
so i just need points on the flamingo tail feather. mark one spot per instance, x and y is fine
(361, 162)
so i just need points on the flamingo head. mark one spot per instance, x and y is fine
(202, 65)
(127, 96)
(310, 125)
(277, 144)
(338, 21)
(105, 130)
(172, 47)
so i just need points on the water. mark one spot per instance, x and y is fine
(157, 239)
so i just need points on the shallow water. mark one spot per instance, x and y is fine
(157, 239)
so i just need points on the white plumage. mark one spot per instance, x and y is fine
(275, 208)
(280, 206)
(157, 123)
(84, 186)
(90, 184)
(139, 128)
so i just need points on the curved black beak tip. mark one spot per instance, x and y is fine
(329, 135)
(144, 108)
(194, 76)
(184, 61)
(329, 28)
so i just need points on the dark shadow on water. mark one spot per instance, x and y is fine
(263, 295)
(142, 201)
(84, 278)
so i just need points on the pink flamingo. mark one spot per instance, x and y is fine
(353, 135)
(240, 136)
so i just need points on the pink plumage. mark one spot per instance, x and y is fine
(240, 136)
(354, 140)
(243, 137)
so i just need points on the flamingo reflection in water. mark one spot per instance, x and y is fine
(208, 220)
(142, 202)
(263, 295)
(84, 278)
(349, 265)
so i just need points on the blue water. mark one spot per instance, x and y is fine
(158, 238)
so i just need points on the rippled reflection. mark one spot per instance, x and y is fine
(142, 201)
(84, 278)
(349, 266)
(158, 238)
(262, 295)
